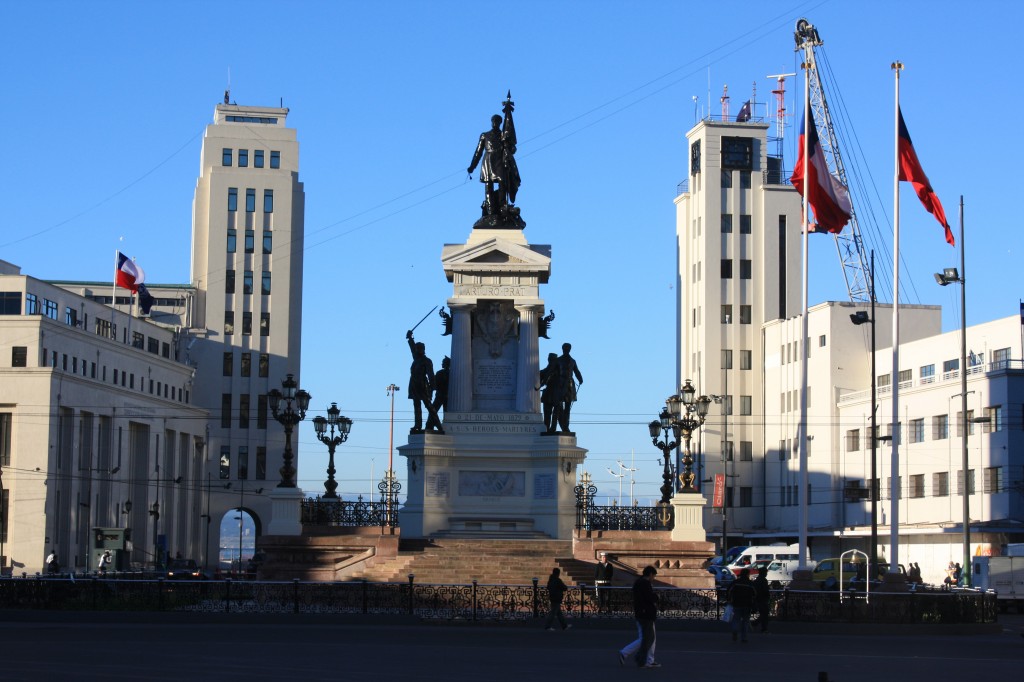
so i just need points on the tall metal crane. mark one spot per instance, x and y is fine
(849, 243)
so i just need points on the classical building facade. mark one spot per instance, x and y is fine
(207, 357)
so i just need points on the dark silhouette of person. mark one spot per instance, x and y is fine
(645, 610)
(569, 377)
(762, 598)
(551, 396)
(556, 593)
(421, 384)
(440, 394)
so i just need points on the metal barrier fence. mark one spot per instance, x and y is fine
(474, 601)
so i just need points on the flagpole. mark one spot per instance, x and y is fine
(802, 345)
(894, 486)
(113, 297)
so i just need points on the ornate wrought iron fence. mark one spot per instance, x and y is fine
(473, 601)
(590, 516)
(319, 511)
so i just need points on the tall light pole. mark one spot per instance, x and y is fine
(684, 413)
(296, 402)
(334, 421)
(859, 318)
(392, 390)
(948, 276)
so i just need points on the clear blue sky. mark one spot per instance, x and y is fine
(105, 104)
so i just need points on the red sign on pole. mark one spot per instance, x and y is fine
(718, 501)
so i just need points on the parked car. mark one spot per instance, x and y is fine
(184, 569)
(830, 571)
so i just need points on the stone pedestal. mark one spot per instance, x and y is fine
(492, 473)
(285, 511)
(689, 521)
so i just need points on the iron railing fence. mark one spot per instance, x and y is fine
(475, 601)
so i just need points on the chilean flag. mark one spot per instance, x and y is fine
(827, 196)
(128, 275)
(911, 171)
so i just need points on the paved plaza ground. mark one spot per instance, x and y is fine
(63, 646)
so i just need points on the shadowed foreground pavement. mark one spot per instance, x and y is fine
(61, 646)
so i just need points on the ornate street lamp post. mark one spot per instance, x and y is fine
(288, 416)
(683, 414)
(334, 421)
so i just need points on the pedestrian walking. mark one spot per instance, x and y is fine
(762, 599)
(556, 592)
(629, 651)
(742, 597)
(603, 575)
(645, 609)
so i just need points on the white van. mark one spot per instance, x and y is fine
(767, 554)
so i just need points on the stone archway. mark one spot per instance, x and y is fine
(239, 528)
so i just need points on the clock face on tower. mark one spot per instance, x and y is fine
(738, 153)
(695, 157)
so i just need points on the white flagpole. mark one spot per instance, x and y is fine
(894, 470)
(802, 344)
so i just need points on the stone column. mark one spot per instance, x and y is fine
(460, 383)
(527, 395)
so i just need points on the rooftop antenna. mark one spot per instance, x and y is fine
(725, 102)
(780, 108)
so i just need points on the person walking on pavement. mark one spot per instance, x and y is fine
(762, 599)
(742, 596)
(645, 608)
(603, 575)
(556, 592)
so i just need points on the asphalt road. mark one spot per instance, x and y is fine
(54, 646)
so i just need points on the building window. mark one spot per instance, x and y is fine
(5, 440)
(243, 158)
(821, 341)
(268, 241)
(746, 451)
(917, 486)
(960, 424)
(257, 158)
(726, 223)
(247, 282)
(246, 323)
(726, 359)
(243, 411)
(727, 404)
(265, 284)
(232, 239)
(250, 200)
(746, 496)
(261, 412)
(994, 419)
(19, 356)
(250, 241)
(225, 410)
(246, 367)
(225, 462)
(229, 281)
(738, 152)
(138, 340)
(927, 374)
(745, 268)
(916, 430)
(746, 405)
(268, 201)
(940, 427)
(49, 308)
(993, 476)
(31, 304)
(264, 365)
(853, 440)
(1001, 358)
(884, 380)
(275, 159)
(229, 363)
(70, 314)
(745, 221)
(727, 450)
(264, 324)
(243, 462)
(261, 463)
(960, 482)
(726, 179)
(950, 365)
(745, 181)
(746, 359)
(890, 491)
(745, 314)
(726, 314)
(905, 375)
(226, 158)
(940, 484)
(229, 322)
(726, 268)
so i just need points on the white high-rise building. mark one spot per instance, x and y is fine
(739, 324)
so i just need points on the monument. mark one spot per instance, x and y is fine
(492, 464)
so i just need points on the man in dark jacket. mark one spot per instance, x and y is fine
(742, 597)
(645, 608)
(556, 592)
(762, 598)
